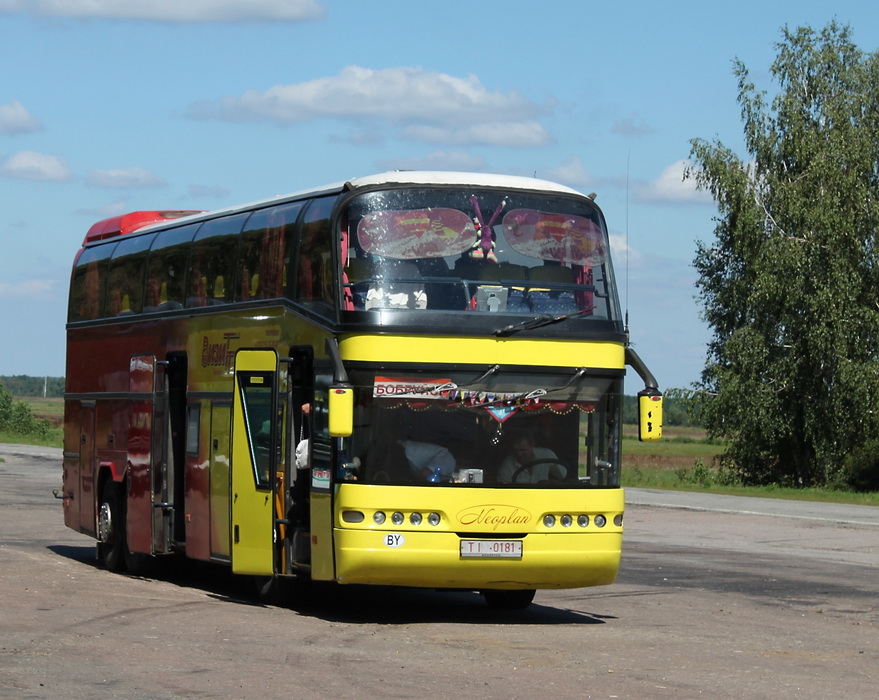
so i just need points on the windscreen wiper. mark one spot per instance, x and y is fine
(536, 322)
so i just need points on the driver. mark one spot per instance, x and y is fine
(524, 452)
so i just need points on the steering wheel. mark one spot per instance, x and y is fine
(534, 462)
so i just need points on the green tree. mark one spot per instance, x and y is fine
(790, 286)
(17, 418)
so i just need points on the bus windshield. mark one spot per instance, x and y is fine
(477, 250)
(496, 431)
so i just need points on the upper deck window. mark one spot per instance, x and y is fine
(89, 281)
(484, 251)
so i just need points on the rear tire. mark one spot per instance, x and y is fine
(509, 600)
(111, 527)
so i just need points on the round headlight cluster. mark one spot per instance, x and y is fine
(398, 518)
(582, 520)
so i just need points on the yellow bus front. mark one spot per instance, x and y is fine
(491, 538)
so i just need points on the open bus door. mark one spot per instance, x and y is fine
(155, 476)
(257, 456)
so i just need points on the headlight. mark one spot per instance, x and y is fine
(415, 518)
(549, 520)
(433, 519)
(397, 518)
(566, 521)
(583, 520)
(379, 517)
(600, 521)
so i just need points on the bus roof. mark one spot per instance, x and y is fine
(135, 221)
(427, 177)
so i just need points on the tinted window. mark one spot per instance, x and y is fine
(126, 277)
(87, 287)
(265, 252)
(314, 282)
(213, 261)
(166, 274)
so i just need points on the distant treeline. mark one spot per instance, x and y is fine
(22, 385)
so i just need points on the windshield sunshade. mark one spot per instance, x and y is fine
(565, 238)
(416, 233)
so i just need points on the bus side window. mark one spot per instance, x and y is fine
(89, 278)
(214, 256)
(166, 271)
(314, 275)
(265, 248)
(126, 276)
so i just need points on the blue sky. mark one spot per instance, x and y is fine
(108, 106)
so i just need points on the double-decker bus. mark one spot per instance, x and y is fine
(413, 378)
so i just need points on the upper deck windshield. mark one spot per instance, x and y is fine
(478, 250)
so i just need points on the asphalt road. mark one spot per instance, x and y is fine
(717, 597)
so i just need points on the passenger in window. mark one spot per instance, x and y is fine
(513, 468)
(429, 461)
(153, 295)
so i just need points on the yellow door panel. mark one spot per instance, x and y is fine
(253, 435)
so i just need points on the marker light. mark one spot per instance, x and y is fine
(352, 516)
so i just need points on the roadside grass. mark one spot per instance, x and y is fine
(54, 438)
(50, 409)
(684, 460)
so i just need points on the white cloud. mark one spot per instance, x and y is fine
(28, 289)
(432, 107)
(125, 178)
(174, 11)
(488, 134)
(15, 119)
(438, 160)
(670, 187)
(30, 165)
(571, 173)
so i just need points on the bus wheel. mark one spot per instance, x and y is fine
(111, 528)
(509, 600)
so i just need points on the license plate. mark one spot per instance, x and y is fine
(491, 549)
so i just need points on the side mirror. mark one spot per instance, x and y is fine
(649, 415)
(341, 411)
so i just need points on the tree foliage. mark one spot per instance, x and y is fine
(17, 418)
(790, 285)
